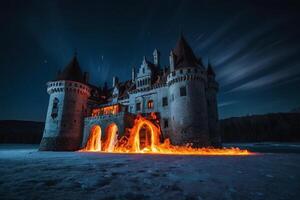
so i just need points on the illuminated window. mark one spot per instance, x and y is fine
(164, 101)
(150, 104)
(183, 91)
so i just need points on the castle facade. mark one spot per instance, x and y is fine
(183, 95)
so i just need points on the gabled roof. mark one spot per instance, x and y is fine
(72, 72)
(184, 54)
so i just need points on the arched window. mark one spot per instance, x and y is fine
(150, 104)
(54, 111)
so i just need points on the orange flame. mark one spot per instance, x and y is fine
(145, 137)
(111, 138)
(94, 141)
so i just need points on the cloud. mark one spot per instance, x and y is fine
(219, 34)
(269, 79)
(240, 45)
(223, 104)
(250, 64)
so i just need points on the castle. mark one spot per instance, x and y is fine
(184, 96)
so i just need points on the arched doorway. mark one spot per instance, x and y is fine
(111, 138)
(94, 140)
(145, 135)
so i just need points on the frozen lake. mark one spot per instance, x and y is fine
(26, 173)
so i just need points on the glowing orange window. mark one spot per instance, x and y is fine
(150, 104)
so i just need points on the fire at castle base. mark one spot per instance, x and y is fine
(145, 138)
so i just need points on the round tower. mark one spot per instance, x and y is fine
(66, 110)
(188, 108)
(212, 107)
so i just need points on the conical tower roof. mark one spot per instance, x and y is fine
(72, 71)
(185, 56)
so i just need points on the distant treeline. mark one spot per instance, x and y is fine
(282, 127)
(26, 132)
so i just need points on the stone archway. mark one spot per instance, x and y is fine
(144, 135)
(94, 139)
(111, 137)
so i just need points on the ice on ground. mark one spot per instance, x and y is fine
(26, 173)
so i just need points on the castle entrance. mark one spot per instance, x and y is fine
(145, 136)
(111, 138)
(94, 140)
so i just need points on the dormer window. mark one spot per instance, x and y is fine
(143, 70)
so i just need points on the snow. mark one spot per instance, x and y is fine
(26, 173)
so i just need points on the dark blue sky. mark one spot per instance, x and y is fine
(254, 46)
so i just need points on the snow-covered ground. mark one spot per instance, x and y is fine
(26, 173)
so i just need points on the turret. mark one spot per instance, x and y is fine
(115, 81)
(172, 61)
(67, 106)
(188, 109)
(133, 74)
(156, 57)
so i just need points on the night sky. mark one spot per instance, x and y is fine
(254, 47)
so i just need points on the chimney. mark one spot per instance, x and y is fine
(156, 57)
(133, 74)
(172, 61)
(115, 81)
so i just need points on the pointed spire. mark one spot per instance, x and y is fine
(156, 57)
(72, 71)
(172, 60)
(185, 56)
(144, 59)
(133, 74)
